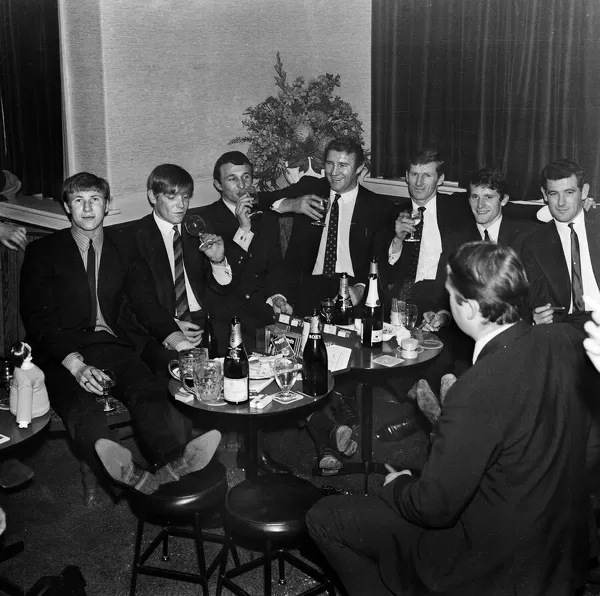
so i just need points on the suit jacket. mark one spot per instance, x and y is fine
(512, 232)
(501, 506)
(369, 220)
(546, 267)
(260, 273)
(56, 302)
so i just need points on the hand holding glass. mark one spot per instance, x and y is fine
(253, 194)
(196, 226)
(285, 371)
(324, 207)
(415, 216)
(108, 382)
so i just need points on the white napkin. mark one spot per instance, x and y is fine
(259, 385)
(338, 357)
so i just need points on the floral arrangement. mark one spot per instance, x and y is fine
(285, 131)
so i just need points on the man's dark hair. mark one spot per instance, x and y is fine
(492, 275)
(237, 158)
(170, 179)
(428, 155)
(349, 145)
(84, 181)
(563, 168)
(490, 178)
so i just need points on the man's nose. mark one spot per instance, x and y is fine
(420, 180)
(480, 203)
(87, 206)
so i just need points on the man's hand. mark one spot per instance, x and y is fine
(404, 226)
(88, 376)
(434, 321)
(281, 305)
(589, 203)
(310, 205)
(184, 345)
(192, 332)
(213, 247)
(12, 236)
(543, 315)
(356, 293)
(242, 212)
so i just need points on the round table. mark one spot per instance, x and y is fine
(368, 374)
(252, 417)
(16, 435)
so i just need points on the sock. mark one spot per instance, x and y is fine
(412, 392)
(118, 462)
(196, 456)
(447, 382)
(428, 402)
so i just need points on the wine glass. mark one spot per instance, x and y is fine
(416, 218)
(409, 316)
(285, 371)
(108, 382)
(324, 208)
(253, 194)
(327, 309)
(196, 226)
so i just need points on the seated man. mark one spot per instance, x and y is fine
(181, 281)
(500, 506)
(72, 287)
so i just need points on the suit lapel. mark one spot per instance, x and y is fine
(593, 239)
(553, 261)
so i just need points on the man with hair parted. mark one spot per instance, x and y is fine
(500, 506)
(562, 259)
(73, 283)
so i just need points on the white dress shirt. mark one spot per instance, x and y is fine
(482, 341)
(431, 243)
(590, 285)
(493, 230)
(221, 272)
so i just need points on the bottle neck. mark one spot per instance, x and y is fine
(373, 294)
(344, 287)
(314, 326)
(374, 269)
(235, 338)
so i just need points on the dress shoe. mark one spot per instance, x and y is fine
(340, 437)
(268, 465)
(396, 431)
(329, 461)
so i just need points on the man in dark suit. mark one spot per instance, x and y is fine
(180, 283)
(500, 506)
(562, 259)
(73, 284)
(353, 223)
(252, 242)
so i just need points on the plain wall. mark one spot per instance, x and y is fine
(155, 81)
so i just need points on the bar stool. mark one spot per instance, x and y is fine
(189, 499)
(271, 509)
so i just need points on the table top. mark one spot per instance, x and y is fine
(273, 409)
(16, 435)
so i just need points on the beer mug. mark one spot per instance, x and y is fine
(188, 362)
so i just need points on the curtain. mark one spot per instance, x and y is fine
(506, 83)
(30, 95)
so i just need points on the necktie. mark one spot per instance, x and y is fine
(91, 275)
(331, 244)
(181, 301)
(410, 252)
(486, 236)
(576, 279)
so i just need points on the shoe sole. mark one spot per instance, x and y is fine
(330, 463)
(351, 449)
(342, 437)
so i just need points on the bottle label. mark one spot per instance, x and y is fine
(235, 338)
(373, 294)
(235, 391)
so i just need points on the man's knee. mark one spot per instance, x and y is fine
(319, 519)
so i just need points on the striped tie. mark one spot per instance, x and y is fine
(181, 301)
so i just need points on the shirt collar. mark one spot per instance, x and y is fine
(578, 220)
(483, 341)
(165, 227)
(430, 206)
(228, 205)
(83, 241)
(345, 197)
(493, 230)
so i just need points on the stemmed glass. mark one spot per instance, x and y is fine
(253, 194)
(108, 382)
(285, 371)
(409, 316)
(416, 218)
(324, 208)
(196, 226)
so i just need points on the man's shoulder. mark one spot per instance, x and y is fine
(51, 242)
(143, 223)
(592, 217)
(539, 237)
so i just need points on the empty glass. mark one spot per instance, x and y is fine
(409, 315)
(188, 361)
(196, 226)
(108, 382)
(208, 382)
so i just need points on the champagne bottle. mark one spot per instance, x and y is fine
(374, 271)
(342, 314)
(209, 339)
(372, 323)
(235, 368)
(314, 360)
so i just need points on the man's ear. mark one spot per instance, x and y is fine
(504, 200)
(217, 185)
(544, 194)
(441, 180)
(585, 191)
(151, 197)
(360, 168)
(473, 309)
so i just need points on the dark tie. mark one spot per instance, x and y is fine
(91, 275)
(410, 252)
(576, 279)
(486, 236)
(181, 301)
(331, 244)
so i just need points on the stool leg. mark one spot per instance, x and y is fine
(136, 556)
(281, 561)
(200, 553)
(165, 546)
(267, 568)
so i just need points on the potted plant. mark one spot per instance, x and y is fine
(292, 129)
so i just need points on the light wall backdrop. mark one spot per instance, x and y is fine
(154, 81)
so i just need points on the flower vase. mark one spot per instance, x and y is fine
(292, 175)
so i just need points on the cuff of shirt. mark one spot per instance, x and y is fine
(393, 256)
(270, 299)
(173, 340)
(275, 206)
(221, 272)
(70, 358)
(243, 239)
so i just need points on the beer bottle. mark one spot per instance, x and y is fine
(342, 314)
(372, 322)
(314, 360)
(235, 368)
(209, 339)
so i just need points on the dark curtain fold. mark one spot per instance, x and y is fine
(505, 83)
(30, 91)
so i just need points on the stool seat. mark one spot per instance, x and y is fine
(271, 507)
(198, 491)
